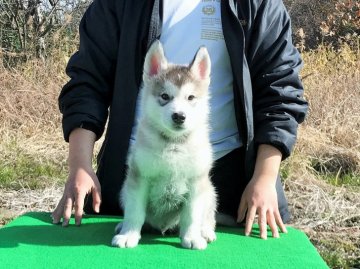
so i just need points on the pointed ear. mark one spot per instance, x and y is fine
(155, 60)
(201, 65)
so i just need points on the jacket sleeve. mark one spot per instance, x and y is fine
(274, 64)
(85, 99)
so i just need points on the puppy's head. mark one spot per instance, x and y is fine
(175, 98)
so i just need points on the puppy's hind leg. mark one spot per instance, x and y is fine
(134, 199)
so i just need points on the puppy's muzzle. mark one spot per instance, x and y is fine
(178, 118)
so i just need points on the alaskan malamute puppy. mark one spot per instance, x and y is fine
(167, 184)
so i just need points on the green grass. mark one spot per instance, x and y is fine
(341, 176)
(351, 180)
(339, 253)
(340, 173)
(335, 260)
(30, 171)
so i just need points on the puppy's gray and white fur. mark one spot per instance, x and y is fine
(167, 184)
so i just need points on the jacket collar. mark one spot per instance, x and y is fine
(155, 22)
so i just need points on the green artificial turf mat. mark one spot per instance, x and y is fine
(32, 241)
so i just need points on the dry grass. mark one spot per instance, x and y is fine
(323, 180)
(14, 203)
(329, 215)
(328, 150)
(333, 90)
(29, 113)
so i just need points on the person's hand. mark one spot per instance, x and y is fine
(81, 182)
(82, 178)
(260, 197)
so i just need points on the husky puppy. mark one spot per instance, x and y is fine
(167, 184)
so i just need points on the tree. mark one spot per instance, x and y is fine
(26, 26)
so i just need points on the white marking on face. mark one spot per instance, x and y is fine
(195, 109)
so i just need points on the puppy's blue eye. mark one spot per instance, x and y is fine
(165, 97)
(191, 97)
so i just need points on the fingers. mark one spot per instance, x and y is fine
(272, 224)
(57, 214)
(67, 211)
(265, 217)
(241, 210)
(279, 221)
(263, 224)
(80, 183)
(250, 217)
(65, 207)
(79, 207)
(96, 195)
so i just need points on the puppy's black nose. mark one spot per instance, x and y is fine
(178, 118)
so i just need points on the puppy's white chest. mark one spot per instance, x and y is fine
(166, 195)
(170, 163)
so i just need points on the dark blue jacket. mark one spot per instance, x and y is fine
(106, 75)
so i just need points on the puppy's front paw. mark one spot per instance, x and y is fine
(118, 228)
(194, 242)
(127, 240)
(209, 235)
